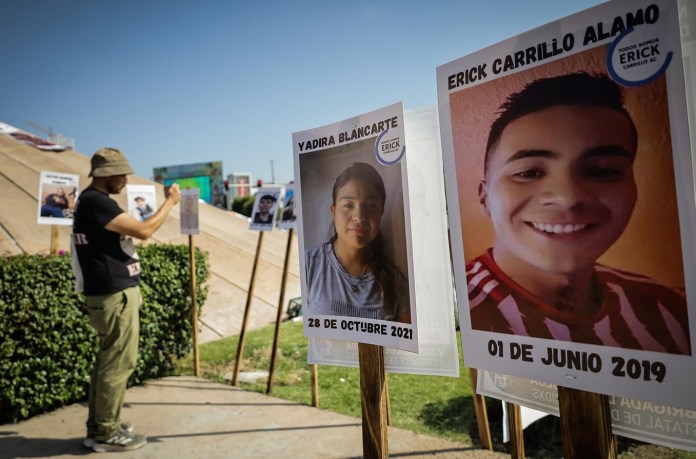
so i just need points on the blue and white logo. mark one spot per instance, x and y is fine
(639, 55)
(389, 149)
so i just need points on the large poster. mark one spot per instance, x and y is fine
(207, 177)
(571, 199)
(352, 196)
(432, 270)
(57, 195)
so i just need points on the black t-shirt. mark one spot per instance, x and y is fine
(108, 260)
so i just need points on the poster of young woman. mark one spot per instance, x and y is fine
(354, 236)
(57, 194)
(570, 189)
(432, 269)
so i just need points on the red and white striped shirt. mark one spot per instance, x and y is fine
(636, 312)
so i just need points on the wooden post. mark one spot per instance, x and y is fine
(386, 391)
(279, 316)
(250, 295)
(315, 385)
(481, 413)
(585, 425)
(55, 239)
(514, 414)
(373, 397)
(194, 308)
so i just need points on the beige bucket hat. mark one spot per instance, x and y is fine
(109, 161)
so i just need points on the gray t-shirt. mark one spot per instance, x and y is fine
(330, 288)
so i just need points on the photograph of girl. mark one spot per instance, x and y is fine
(355, 257)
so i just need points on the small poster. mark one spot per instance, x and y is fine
(57, 195)
(263, 216)
(355, 249)
(142, 201)
(570, 192)
(288, 217)
(189, 211)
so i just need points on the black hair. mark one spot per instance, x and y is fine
(383, 268)
(574, 89)
(269, 196)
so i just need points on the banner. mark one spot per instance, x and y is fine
(432, 270)
(571, 197)
(355, 249)
(644, 421)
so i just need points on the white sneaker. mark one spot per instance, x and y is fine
(120, 441)
(126, 426)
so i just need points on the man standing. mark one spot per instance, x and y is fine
(107, 269)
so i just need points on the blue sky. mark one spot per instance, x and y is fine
(175, 82)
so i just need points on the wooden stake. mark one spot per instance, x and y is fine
(55, 239)
(481, 413)
(374, 405)
(386, 391)
(315, 385)
(194, 308)
(250, 296)
(276, 335)
(514, 414)
(585, 425)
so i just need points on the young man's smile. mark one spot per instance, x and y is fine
(559, 187)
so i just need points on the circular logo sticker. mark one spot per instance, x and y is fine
(389, 149)
(639, 55)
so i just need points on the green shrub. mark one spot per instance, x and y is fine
(47, 346)
(243, 204)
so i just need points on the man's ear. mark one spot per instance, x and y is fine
(483, 198)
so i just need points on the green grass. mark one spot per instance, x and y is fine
(432, 405)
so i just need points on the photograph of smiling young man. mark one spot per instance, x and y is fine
(559, 189)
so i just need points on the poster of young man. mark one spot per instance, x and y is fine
(57, 196)
(189, 211)
(263, 215)
(288, 217)
(142, 201)
(355, 249)
(432, 270)
(570, 188)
